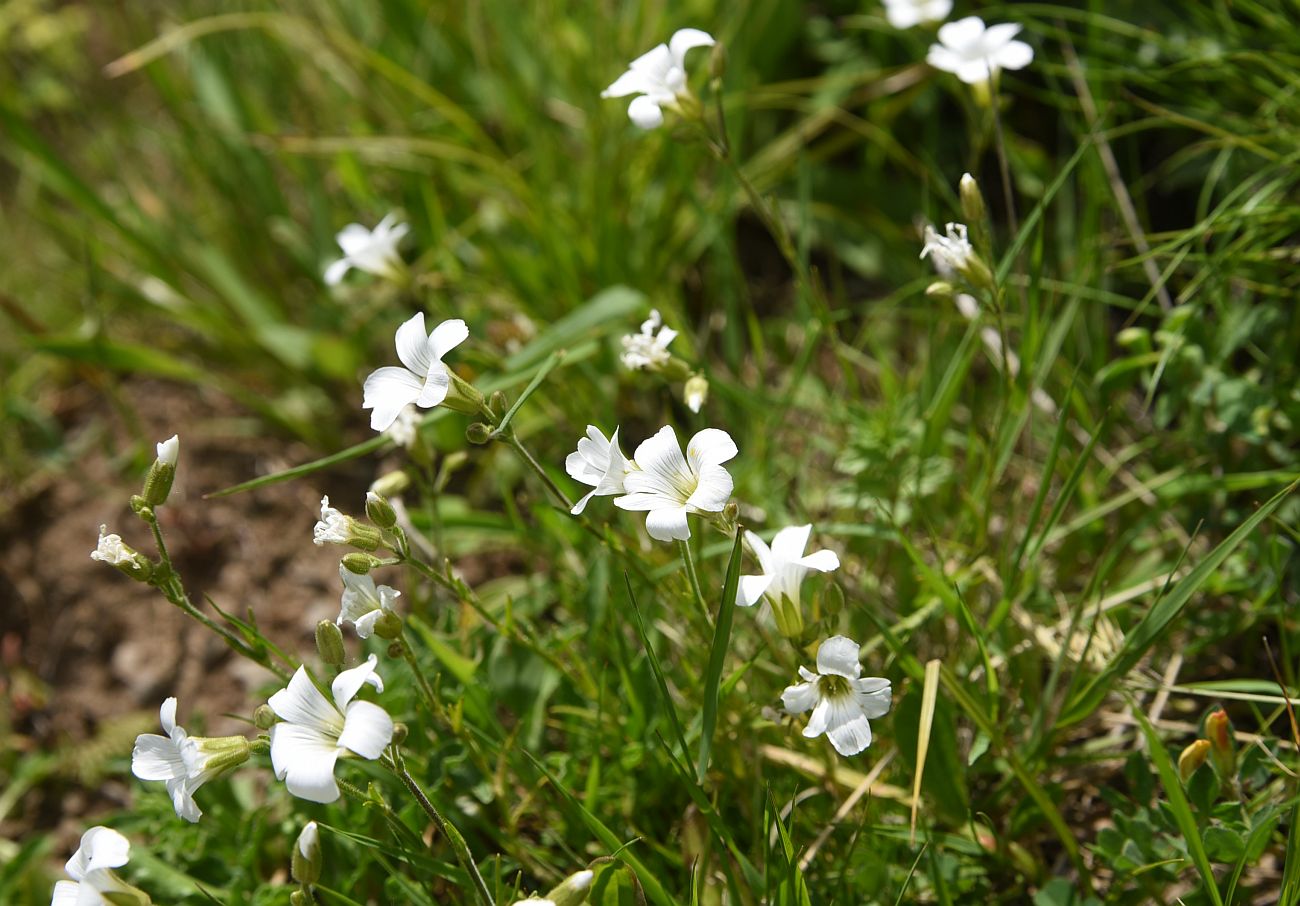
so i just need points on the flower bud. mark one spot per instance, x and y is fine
(1134, 338)
(717, 62)
(832, 600)
(388, 625)
(158, 483)
(391, 484)
(462, 396)
(305, 865)
(696, 392)
(359, 563)
(113, 551)
(940, 290)
(972, 200)
(478, 433)
(380, 511)
(498, 403)
(400, 732)
(264, 717)
(395, 650)
(1192, 758)
(329, 643)
(300, 898)
(574, 889)
(1218, 729)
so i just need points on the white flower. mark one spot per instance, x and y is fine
(668, 486)
(334, 527)
(974, 53)
(423, 381)
(840, 698)
(169, 449)
(659, 76)
(951, 252)
(906, 13)
(102, 849)
(112, 551)
(784, 566)
(405, 428)
(599, 463)
(373, 251)
(163, 758)
(363, 604)
(648, 349)
(314, 731)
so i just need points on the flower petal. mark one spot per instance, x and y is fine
(645, 113)
(709, 447)
(713, 490)
(822, 561)
(66, 893)
(685, 39)
(847, 728)
(304, 760)
(972, 72)
(998, 36)
(388, 390)
(413, 346)
(367, 730)
(167, 715)
(349, 682)
(436, 386)
(751, 589)
(962, 34)
(839, 656)
(817, 721)
(156, 758)
(630, 82)
(799, 698)
(789, 544)
(447, 336)
(353, 238)
(1016, 55)
(101, 847)
(582, 503)
(873, 694)
(302, 703)
(664, 472)
(668, 524)
(336, 271)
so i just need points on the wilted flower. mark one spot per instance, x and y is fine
(314, 731)
(363, 603)
(598, 462)
(784, 567)
(91, 868)
(424, 381)
(953, 253)
(840, 698)
(183, 762)
(373, 251)
(906, 13)
(668, 486)
(649, 348)
(659, 76)
(336, 527)
(974, 53)
(113, 551)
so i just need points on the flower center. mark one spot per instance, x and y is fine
(833, 686)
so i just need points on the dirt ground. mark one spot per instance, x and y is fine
(87, 655)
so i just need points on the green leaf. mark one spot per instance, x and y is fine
(718, 654)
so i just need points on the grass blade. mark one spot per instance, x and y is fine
(928, 693)
(718, 654)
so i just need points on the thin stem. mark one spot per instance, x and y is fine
(533, 464)
(458, 844)
(430, 701)
(689, 559)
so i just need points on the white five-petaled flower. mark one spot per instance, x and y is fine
(174, 759)
(784, 566)
(950, 252)
(974, 53)
(906, 13)
(314, 731)
(659, 76)
(363, 603)
(423, 381)
(600, 463)
(841, 699)
(667, 485)
(373, 251)
(649, 348)
(113, 551)
(169, 449)
(91, 869)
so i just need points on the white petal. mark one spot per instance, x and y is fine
(998, 36)
(713, 491)
(436, 386)
(839, 655)
(156, 758)
(822, 561)
(302, 703)
(645, 113)
(349, 682)
(873, 695)
(335, 272)
(685, 39)
(817, 721)
(664, 472)
(308, 839)
(751, 589)
(1016, 55)
(387, 391)
(365, 623)
(367, 731)
(655, 65)
(66, 893)
(304, 760)
(709, 447)
(799, 698)
(582, 503)
(943, 59)
(630, 82)
(167, 715)
(972, 72)
(761, 552)
(101, 847)
(902, 13)
(668, 524)
(963, 33)
(447, 336)
(353, 238)
(789, 544)
(413, 345)
(182, 793)
(647, 501)
(848, 728)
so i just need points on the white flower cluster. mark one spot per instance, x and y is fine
(967, 48)
(649, 348)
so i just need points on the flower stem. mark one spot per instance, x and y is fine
(696, 592)
(514, 442)
(458, 844)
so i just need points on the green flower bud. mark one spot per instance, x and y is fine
(462, 396)
(359, 563)
(300, 898)
(573, 890)
(696, 392)
(940, 290)
(305, 866)
(388, 626)
(498, 403)
(400, 732)
(717, 62)
(264, 717)
(391, 484)
(972, 200)
(395, 650)
(329, 643)
(380, 511)
(478, 433)
(832, 600)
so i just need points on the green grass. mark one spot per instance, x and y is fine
(172, 222)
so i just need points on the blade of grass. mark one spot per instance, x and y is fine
(656, 669)
(718, 654)
(928, 693)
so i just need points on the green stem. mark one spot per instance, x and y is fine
(533, 464)
(696, 591)
(458, 844)
(430, 701)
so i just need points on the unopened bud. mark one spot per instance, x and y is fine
(478, 433)
(329, 643)
(305, 865)
(141, 507)
(731, 512)
(1218, 729)
(388, 625)
(395, 650)
(391, 484)
(574, 889)
(498, 403)
(696, 392)
(158, 483)
(400, 732)
(264, 717)
(717, 62)
(1134, 338)
(359, 563)
(462, 396)
(972, 200)
(1192, 758)
(300, 898)
(832, 600)
(940, 290)
(380, 511)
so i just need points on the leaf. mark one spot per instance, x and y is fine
(718, 654)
